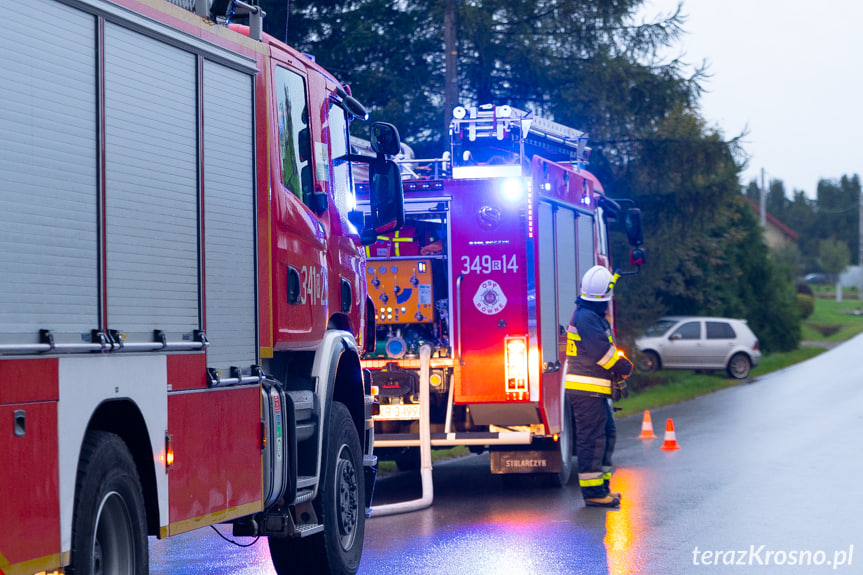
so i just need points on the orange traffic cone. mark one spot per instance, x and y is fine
(670, 437)
(647, 427)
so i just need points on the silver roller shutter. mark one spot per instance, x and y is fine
(586, 246)
(48, 173)
(151, 188)
(229, 217)
(547, 282)
(567, 280)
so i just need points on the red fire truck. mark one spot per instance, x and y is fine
(486, 272)
(182, 304)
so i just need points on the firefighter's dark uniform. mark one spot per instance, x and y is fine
(592, 365)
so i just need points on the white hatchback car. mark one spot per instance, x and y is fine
(702, 343)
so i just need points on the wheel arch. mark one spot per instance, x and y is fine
(347, 385)
(123, 418)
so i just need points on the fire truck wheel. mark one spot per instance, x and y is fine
(566, 444)
(109, 529)
(340, 505)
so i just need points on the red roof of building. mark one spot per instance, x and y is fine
(772, 219)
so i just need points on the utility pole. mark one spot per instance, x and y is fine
(860, 250)
(451, 73)
(763, 202)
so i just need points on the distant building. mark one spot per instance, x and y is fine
(776, 234)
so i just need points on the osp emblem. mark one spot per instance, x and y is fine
(489, 298)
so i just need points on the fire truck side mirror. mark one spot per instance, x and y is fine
(634, 233)
(385, 186)
(385, 139)
(386, 197)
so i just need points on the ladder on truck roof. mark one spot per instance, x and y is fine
(224, 10)
(499, 122)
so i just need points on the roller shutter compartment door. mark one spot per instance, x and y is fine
(229, 217)
(151, 189)
(48, 174)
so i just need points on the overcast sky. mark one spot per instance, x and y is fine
(788, 72)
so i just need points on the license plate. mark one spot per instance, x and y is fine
(399, 411)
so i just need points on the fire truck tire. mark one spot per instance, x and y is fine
(566, 443)
(109, 529)
(340, 505)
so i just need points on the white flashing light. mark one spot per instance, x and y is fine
(547, 186)
(477, 172)
(512, 190)
(504, 111)
(459, 112)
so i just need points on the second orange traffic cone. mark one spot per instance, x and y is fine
(647, 427)
(670, 436)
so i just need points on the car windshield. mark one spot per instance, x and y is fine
(660, 327)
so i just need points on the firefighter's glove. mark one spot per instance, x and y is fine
(622, 368)
(618, 390)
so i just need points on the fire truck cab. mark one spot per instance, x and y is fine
(486, 272)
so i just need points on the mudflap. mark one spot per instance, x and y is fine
(525, 461)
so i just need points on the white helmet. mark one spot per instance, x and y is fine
(597, 284)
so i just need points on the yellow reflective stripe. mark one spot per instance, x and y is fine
(587, 380)
(402, 239)
(605, 390)
(606, 476)
(607, 360)
(591, 482)
(573, 336)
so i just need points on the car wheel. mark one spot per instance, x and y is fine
(739, 366)
(648, 361)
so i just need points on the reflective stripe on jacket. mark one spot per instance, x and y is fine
(591, 353)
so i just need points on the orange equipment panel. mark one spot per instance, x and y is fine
(401, 290)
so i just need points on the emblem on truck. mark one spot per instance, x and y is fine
(489, 298)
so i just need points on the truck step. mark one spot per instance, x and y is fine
(453, 439)
(304, 496)
(304, 481)
(307, 530)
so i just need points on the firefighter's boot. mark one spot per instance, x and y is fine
(613, 493)
(607, 501)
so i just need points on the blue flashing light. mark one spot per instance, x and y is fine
(512, 189)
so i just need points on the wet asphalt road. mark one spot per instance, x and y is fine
(769, 479)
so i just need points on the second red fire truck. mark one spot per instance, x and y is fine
(486, 272)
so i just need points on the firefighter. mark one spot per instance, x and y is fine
(594, 375)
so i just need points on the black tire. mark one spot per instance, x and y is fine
(109, 528)
(340, 506)
(739, 366)
(566, 443)
(648, 361)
